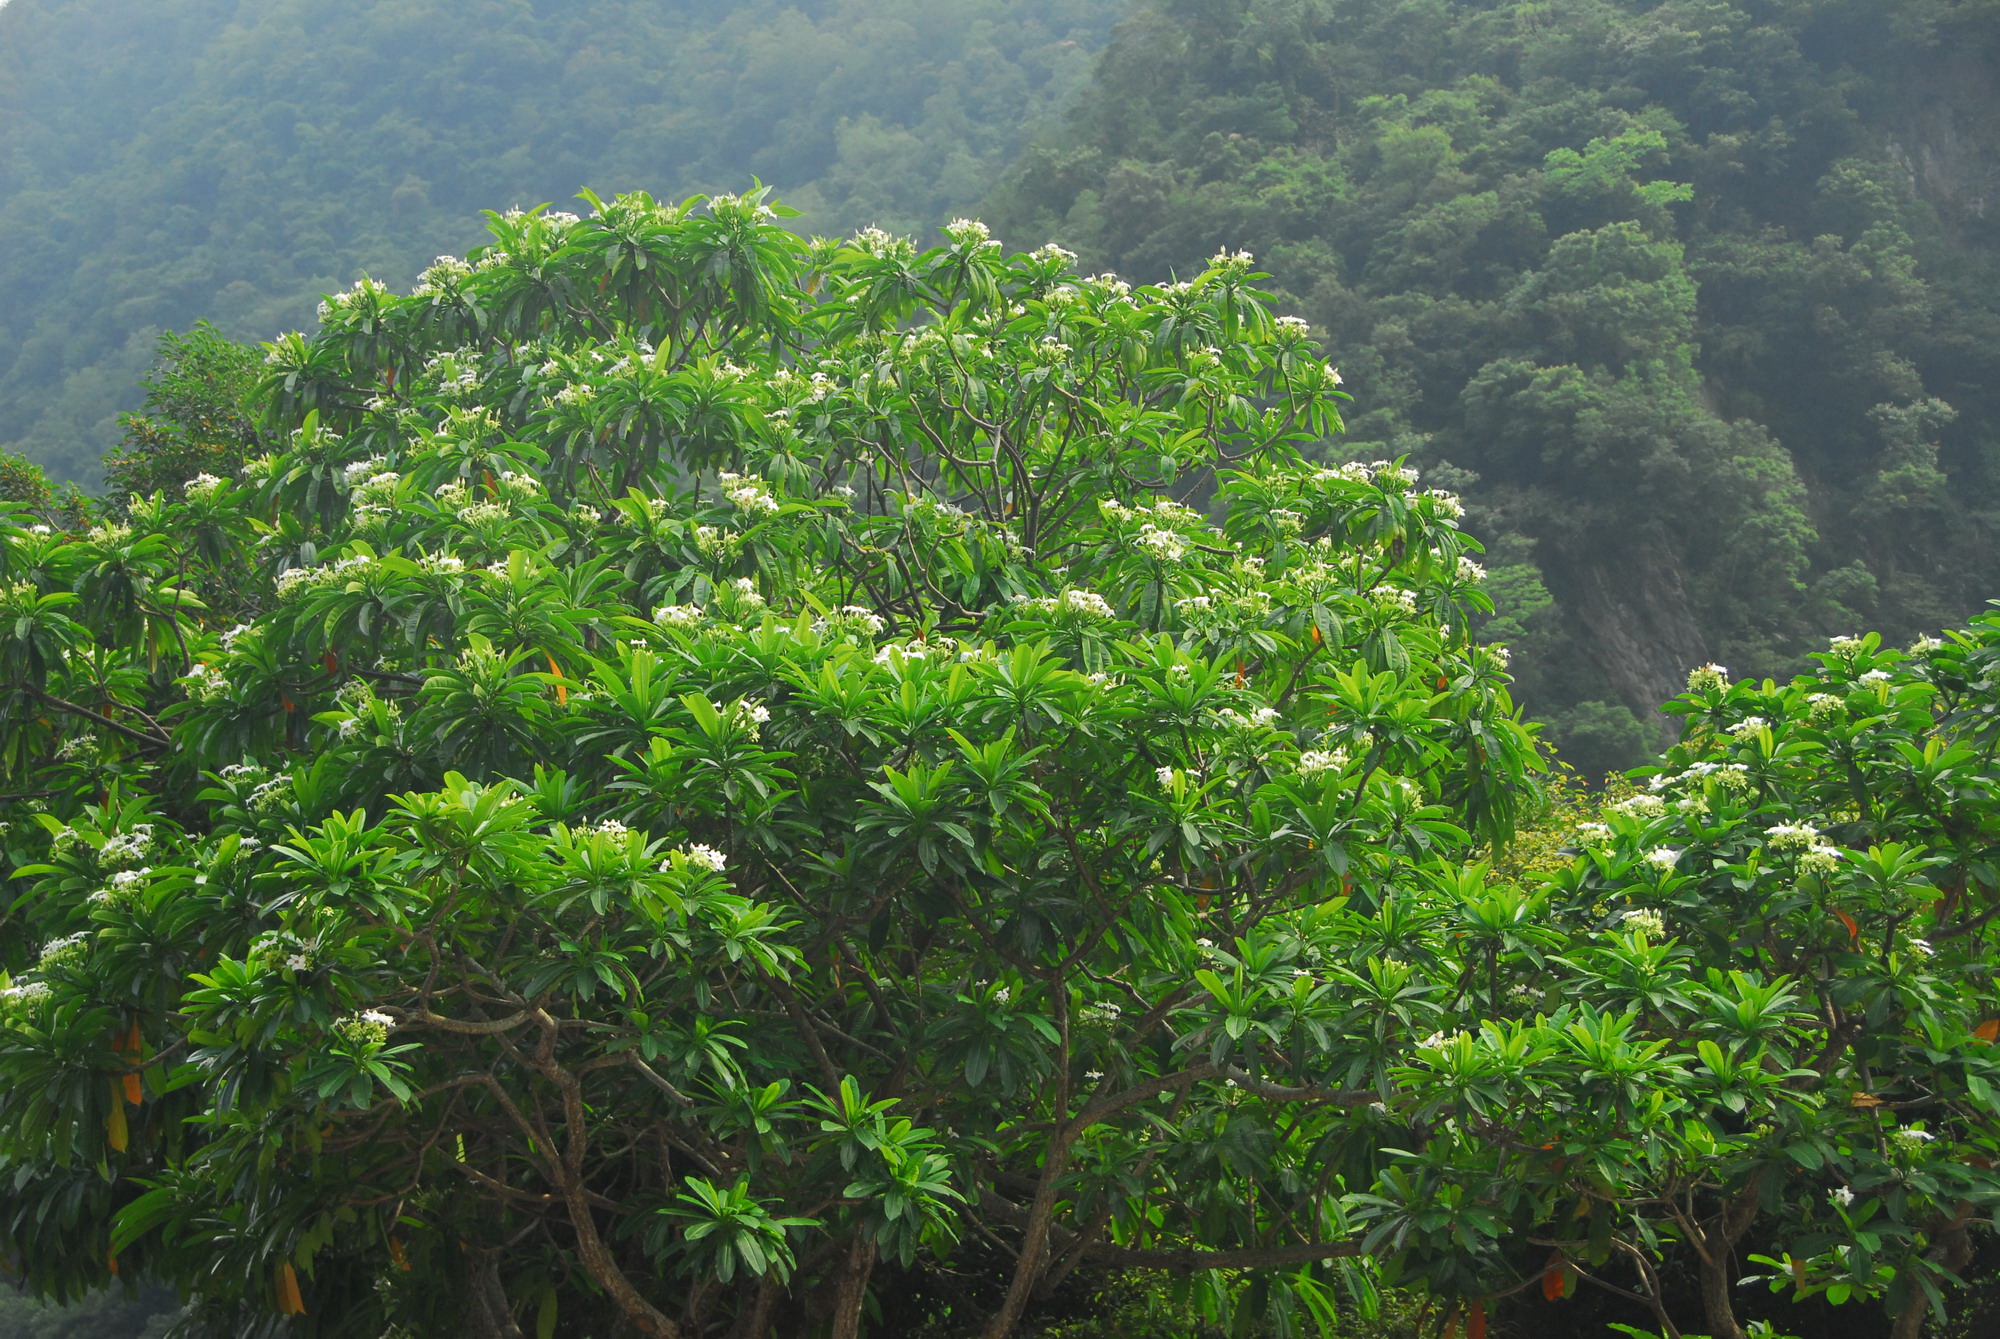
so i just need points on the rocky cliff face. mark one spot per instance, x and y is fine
(1640, 626)
(1945, 135)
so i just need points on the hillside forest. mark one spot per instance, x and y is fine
(211, 159)
(1696, 300)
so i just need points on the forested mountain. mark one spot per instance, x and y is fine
(208, 158)
(1703, 293)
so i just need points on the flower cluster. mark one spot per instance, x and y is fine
(748, 493)
(1259, 718)
(1076, 603)
(66, 952)
(127, 850)
(1642, 807)
(1394, 599)
(1791, 836)
(1707, 679)
(366, 1030)
(1165, 546)
(749, 716)
(1749, 728)
(705, 857)
(852, 618)
(205, 683)
(1651, 922)
(678, 615)
(1312, 762)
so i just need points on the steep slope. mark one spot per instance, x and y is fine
(1703, 292)
(189, 158)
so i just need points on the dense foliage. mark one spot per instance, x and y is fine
(207, 158)
(720, 783)
(1697, 297)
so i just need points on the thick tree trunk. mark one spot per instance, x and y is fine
(1718, 1261)
(755, 1323)
(487, 1314)
(852, 1289)
(1953, 1250)
(1034, 1239)
(1717, 1305)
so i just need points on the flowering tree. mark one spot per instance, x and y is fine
(715, 771)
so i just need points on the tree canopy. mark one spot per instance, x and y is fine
(721, 784)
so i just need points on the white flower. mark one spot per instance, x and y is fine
(202, 487)
(368, 1028)
(1445, 504)
(1748, 728)
(707, 857)
(1093, 1075)
(1395, 598)
(205, 683)
(1923, 646)
(1913, 1139)
(750, 716)
(1165, 545)
(1088, 603)
(853, 616)
(1641, 807)
(1166, 775)
(1841, 1195)
(1707, 679)
(1470, 571)
(25, 995)
(127, 849)
(69, 951)
(1820, 860)
(299, 962)
(678, 615)
(1261, 718)
(1791, 836)
(1824, 707)
(1663, 859)
(1844, 646)
(968, 232)
(1592, 834)
(1873, 677)
(1314, 761)
(1296, 326)
(1651, 922)
(749, 494)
